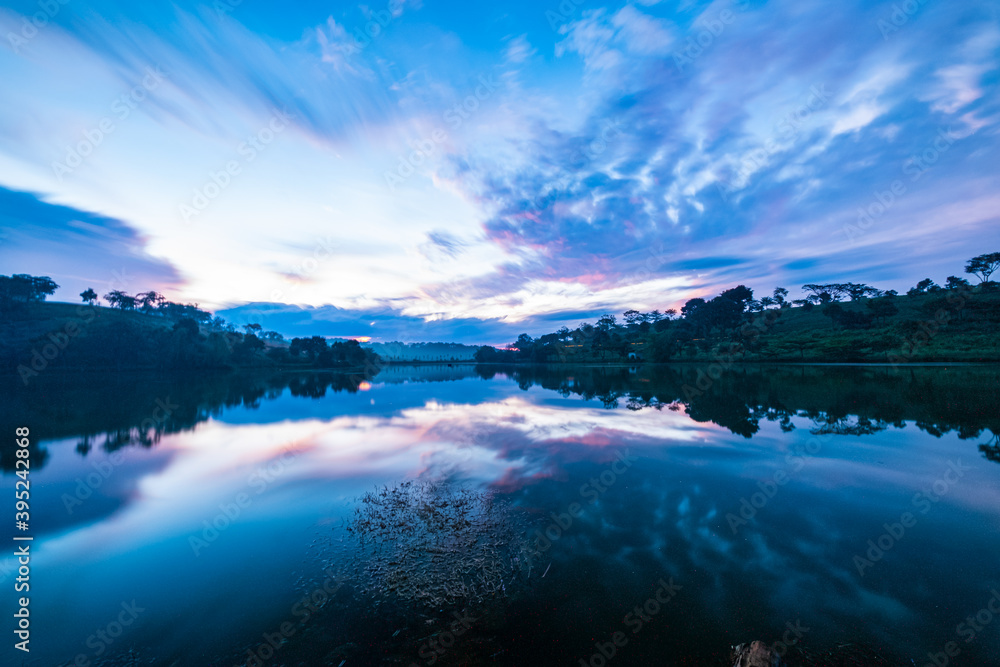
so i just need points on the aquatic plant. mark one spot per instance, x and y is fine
(436, 544)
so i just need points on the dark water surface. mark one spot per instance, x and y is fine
(189, 520)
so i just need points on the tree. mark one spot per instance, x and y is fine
(253, 329)
(490, 355)
(983, 266)
(89, 296)
(724, 311)
(806, 304)
(607, 323)
(767, 302)
(175, 311)
(149, 301)
(779, 296)
(119, 299)
(312, 347)
(924, 286)
(41, 287)
(818, 293)
(740, 295)
(882, 309)
(954, 282)
(832, 292)
(187, 327)
(834, 311)
(22, 288)
(692, 306)
(854, 320)
(860, 291)
(633, 317)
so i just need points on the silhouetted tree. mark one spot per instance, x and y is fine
(860, 291)
(954, 282)
(21, 288)
(924, 286)
(89, 295)
(983, 266)
(119, 299)
(149, 301)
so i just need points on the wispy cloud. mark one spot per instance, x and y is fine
(595, 174)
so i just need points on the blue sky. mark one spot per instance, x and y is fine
(473, 171)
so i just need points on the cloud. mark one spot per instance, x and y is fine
(77, 249)
(597, 176)
(441, 245)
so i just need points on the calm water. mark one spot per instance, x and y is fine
(755, 494)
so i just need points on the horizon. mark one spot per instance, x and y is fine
(467, 175)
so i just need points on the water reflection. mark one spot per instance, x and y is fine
(236, 490)
(116, 411)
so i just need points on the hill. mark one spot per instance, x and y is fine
(938, 325)
(36, 336)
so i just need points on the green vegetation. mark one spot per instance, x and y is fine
(835, 322)
(144, 331)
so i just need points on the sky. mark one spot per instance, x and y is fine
(428, 170)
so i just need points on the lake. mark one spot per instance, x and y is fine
(480, 515)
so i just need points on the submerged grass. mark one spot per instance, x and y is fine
(435, 544)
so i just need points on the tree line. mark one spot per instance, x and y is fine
(158, 333)
(737, 321)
